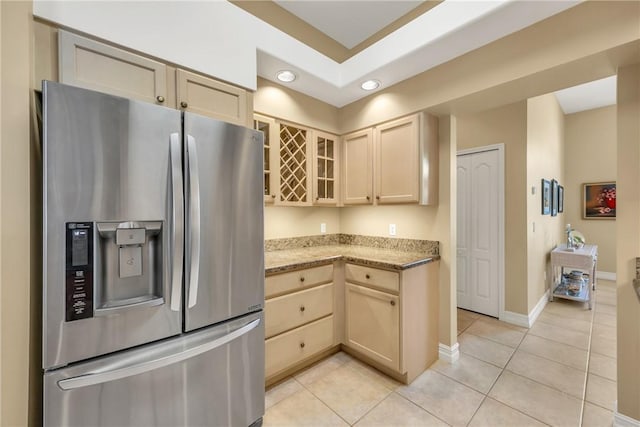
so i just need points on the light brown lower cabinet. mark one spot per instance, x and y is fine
(373, 324)
(299, 320)
(391, 318)
(386, 318)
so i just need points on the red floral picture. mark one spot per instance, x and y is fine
(599, 200)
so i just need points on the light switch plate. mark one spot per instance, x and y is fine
(323, 227)
(392, 229)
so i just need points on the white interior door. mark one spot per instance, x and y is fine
(478, 231)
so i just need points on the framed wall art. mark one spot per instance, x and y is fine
(554, 197)
(560, 198)
(599, 200)
(546, 197)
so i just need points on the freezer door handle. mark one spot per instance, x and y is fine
(177, 219)
(194, 221)
(100, 377)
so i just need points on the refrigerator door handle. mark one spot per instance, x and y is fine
(177, 219)
(121, 372)
(194, 221)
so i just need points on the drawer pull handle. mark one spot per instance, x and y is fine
(367, 276)
(302, 279)
(393, 302)
(302, 309)
(301, 345)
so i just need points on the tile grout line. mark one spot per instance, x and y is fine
(586, 377)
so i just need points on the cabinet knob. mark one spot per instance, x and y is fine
(301, 345)
(368, 198)
(367, 276)
(302, 309)
(183, 104)
(377, 197)
(302, 279)
(160, 98)
(273, 196)
(393, 302)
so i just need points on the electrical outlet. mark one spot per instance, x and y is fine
(323, 227)
(392, 229)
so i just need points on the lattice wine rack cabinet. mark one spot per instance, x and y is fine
(293, 165)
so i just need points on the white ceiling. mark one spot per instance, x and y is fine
(349, 22)
(448, 30)
(595, 94)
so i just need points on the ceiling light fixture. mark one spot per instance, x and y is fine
(286, 76)
(370, 85)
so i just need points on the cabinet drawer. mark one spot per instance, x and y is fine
(282, 283)
(284, 350)
(292, 310)
(383, 279)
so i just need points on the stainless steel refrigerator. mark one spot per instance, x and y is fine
(153, 282)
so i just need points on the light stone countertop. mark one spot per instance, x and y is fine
(281, 261)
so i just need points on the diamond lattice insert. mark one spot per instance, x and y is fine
(293, 164)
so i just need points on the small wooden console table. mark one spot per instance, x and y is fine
(583, 259)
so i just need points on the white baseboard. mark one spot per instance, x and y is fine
(605, 275)
(526, 321)
(449, 354)
(620, 420)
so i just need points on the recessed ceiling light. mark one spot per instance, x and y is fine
(286, 76)
(370, 85)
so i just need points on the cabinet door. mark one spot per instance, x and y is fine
(268, 127)
(209, 97)
(294, 166)
(97, 66)
(325, 169)
(397, 166)
(373, 324)
(357, 162)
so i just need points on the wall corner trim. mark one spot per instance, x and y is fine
(621, 420)
(449, 354)
(526, 321)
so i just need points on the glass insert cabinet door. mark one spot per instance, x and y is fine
(268, 127)
(326, 169)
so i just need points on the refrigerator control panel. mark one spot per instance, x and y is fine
(79, 270)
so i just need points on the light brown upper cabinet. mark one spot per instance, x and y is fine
(93, 65)
(209, 97)
(326, 170)
(295, 169)
(357, 182)
(405, 162)
(269, 128)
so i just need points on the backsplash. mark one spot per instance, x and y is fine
(407, 245)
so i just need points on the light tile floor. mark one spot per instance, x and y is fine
(561, 372)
